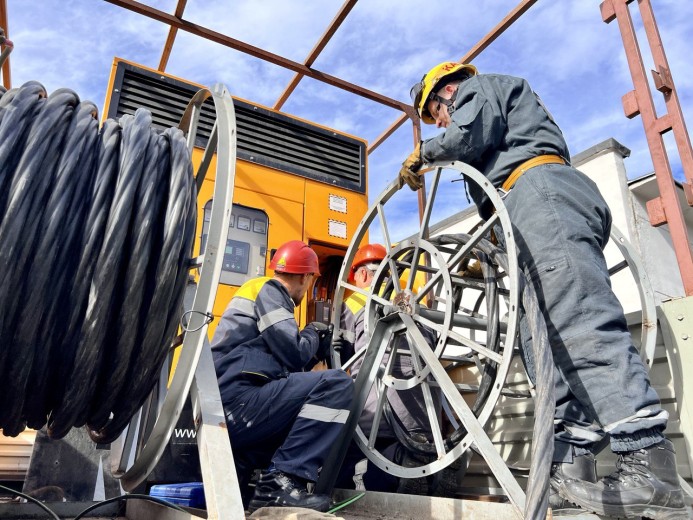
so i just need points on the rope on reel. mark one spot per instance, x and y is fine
(96, 232)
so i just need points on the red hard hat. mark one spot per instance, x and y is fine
(366, 254)
(295, 257)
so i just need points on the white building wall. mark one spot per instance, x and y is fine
(655, 244)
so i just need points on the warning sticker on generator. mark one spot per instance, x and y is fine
(337, 228)
(338, 203)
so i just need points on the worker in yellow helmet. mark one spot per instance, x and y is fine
(561, 224)
(408, 406)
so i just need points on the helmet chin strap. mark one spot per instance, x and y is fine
(449, 103)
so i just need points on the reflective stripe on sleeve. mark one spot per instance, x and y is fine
(323, 414)
(242, 305)
(583, 433)
(274, 317)
(356, 302)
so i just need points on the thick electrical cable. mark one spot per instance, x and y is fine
(31, 499)
(96, 233)
(131, 496)
(121, 498)
(52, 271)
(537, 501)
(169, 281)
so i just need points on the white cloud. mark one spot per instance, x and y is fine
(573, 59)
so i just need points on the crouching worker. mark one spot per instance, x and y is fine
(279, 413)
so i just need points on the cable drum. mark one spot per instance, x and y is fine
(96, 231)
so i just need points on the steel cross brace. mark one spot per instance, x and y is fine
(364, 382)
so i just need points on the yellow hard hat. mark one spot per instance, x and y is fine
(422, 90)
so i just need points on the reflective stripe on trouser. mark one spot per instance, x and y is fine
(307, 410)
(561, 224)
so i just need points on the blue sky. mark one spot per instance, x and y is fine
(571, 58)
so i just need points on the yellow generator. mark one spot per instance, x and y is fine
(295, 180)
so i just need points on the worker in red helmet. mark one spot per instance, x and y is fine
(282, 417)
(366, 262)
(561, 224)
(408, 406)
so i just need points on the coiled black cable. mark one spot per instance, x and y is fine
(96, 232)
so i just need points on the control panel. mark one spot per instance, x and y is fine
(246, 244)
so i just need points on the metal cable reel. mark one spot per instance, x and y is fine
(139, 448)
(429, 293)
(474, 317)
(631, 261)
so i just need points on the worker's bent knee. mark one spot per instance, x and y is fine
(341, 387)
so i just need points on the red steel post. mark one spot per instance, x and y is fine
(666, 208)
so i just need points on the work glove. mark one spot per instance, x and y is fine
(471, 268)
(324, 338)
(343, 346)
(408, 174)
(338, 342)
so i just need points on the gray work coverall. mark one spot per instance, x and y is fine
(561, 225)
(274, 409)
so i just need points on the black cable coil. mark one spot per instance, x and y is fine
(96, 232)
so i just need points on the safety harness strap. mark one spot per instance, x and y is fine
(531, 163)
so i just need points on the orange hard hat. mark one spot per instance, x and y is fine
(295, 257)
(366, 254)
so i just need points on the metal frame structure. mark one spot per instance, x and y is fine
(666, 207)
(398, 311)
(663, 209)
(440, 317)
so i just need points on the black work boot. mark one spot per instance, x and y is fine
(645, 483)
(277, 489)
(583, 467)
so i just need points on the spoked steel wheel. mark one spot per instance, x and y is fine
(631, 261)
(463, 290)
(143, 443)
(425, 293)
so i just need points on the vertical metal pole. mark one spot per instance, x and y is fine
(416, 124)
(666, 207)
(222, 490)
(416, 127)
(6, 76)
(665, 84)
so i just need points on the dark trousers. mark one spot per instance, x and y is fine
(293, 421)
(561, 224)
